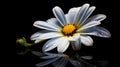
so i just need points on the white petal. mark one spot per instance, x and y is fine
(87, 14)
(49, 57)
(76, 45)
(76, 63)
(36, 35)
(51, 54)
(71, 14)
(87, 57)
(98, 17)
(56, 54)
(63, 45)
(67, 19)
(86, 40)
(97, 31)
(54, 21)
(38, 53)
(48, 36)
(59, 14)
(60, 63)
(51, 44)
(74, 37)
(45, 25)
(63, 64)
(79, 16)
(89, 25)
(47, 62)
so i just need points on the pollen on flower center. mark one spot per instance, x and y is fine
(68, 29)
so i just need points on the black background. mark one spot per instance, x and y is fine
(28, 12)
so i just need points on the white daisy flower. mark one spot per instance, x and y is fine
(73, 28)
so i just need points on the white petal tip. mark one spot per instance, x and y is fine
(43, 50)
(108, 35)
(37, 41)
(91, 44)
(93, 7)
(36, 23)
(31, 38)
(56, 8)
(86, 4)
(60, 52)
(102, 16)
(88, 45)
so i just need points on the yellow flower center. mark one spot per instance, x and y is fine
(68, 29)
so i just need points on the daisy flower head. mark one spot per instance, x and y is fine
(72, 28)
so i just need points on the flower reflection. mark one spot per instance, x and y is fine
(57, 60)
(61, 60)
